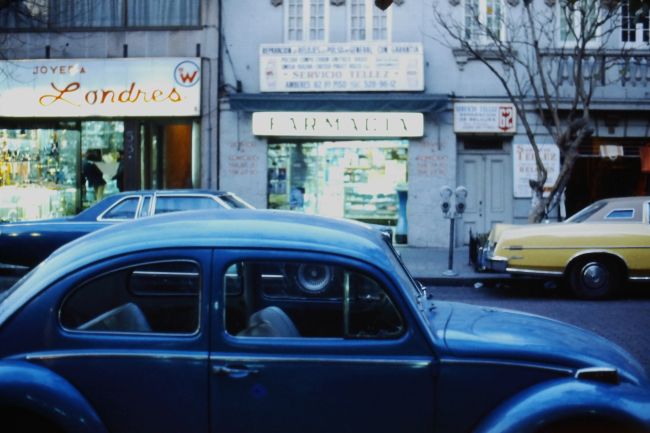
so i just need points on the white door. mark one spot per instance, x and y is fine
(488, 179)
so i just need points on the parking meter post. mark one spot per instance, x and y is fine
(452, 225)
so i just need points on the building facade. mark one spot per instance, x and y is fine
(316, 97)
(127, 87)
(331, 107)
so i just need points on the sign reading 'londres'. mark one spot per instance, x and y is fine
(93, 87)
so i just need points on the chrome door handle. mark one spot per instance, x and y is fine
(236, 372)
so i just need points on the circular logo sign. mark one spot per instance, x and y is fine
(187, 73)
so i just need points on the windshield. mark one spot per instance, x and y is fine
(587, 212)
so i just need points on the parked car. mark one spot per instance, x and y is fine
(596, 250)
(27, 243)
(267, 321)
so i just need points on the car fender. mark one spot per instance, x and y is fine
(565, 399)
(41, 391)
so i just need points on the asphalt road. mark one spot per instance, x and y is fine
(624, 320)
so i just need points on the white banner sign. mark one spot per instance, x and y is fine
(342, 67)
(134, 87)
(335, 124)
(490, 118)
(525, 168)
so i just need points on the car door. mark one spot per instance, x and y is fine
(305, 342)
(129, 334)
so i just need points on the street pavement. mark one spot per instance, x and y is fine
(431, 267)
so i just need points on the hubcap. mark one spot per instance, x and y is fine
(594, 275)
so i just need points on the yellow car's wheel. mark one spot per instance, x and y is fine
(594, 277)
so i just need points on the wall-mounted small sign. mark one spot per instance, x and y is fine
(485, 118)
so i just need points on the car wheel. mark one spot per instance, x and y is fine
(594, 277)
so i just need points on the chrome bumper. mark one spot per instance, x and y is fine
(487, 261)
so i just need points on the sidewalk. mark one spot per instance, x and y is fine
(429, 266)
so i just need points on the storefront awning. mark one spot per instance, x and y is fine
(401, 102)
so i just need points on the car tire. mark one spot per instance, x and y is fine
(595, 277)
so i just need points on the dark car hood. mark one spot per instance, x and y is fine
(485, 332)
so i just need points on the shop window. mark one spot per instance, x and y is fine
(45, 14)
(144, 13)
(367, 22)
(306, 20)
(102, 142)
(38, 173)
(350, 179)
(307, 299)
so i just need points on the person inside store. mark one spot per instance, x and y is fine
(297, 198)
(119, 174)
(92, 174)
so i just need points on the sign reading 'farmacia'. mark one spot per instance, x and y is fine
(338, 124)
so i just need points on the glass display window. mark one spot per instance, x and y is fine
(38, 173)
(102, 144)
(41, 168)
(349, 179)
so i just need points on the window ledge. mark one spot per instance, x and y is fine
(463, 55)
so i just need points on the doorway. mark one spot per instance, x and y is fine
(168, 158)
(488, 179)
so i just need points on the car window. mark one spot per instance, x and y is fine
(587, 212)
(165, 204)
(618, 214)
(146, 204)
(124, 209)
(161, 297)
(234, 202)
(305, 299)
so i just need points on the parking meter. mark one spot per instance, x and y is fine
(461, 199)
(445, 195)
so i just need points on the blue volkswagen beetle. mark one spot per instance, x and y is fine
(264, 321)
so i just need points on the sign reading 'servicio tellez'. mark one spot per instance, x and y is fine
(341, 67)
(485, 118)
(133, 87)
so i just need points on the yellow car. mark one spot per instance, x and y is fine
(597, 250)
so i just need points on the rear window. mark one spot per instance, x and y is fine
(180, 203)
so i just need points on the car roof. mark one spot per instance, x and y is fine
(246, 228)
(100, 207)
(223, 228)
(636, 203)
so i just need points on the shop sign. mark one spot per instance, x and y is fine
(342, 67)
(525, 168)
(335, 124)
(485, 118)
(134, 87)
